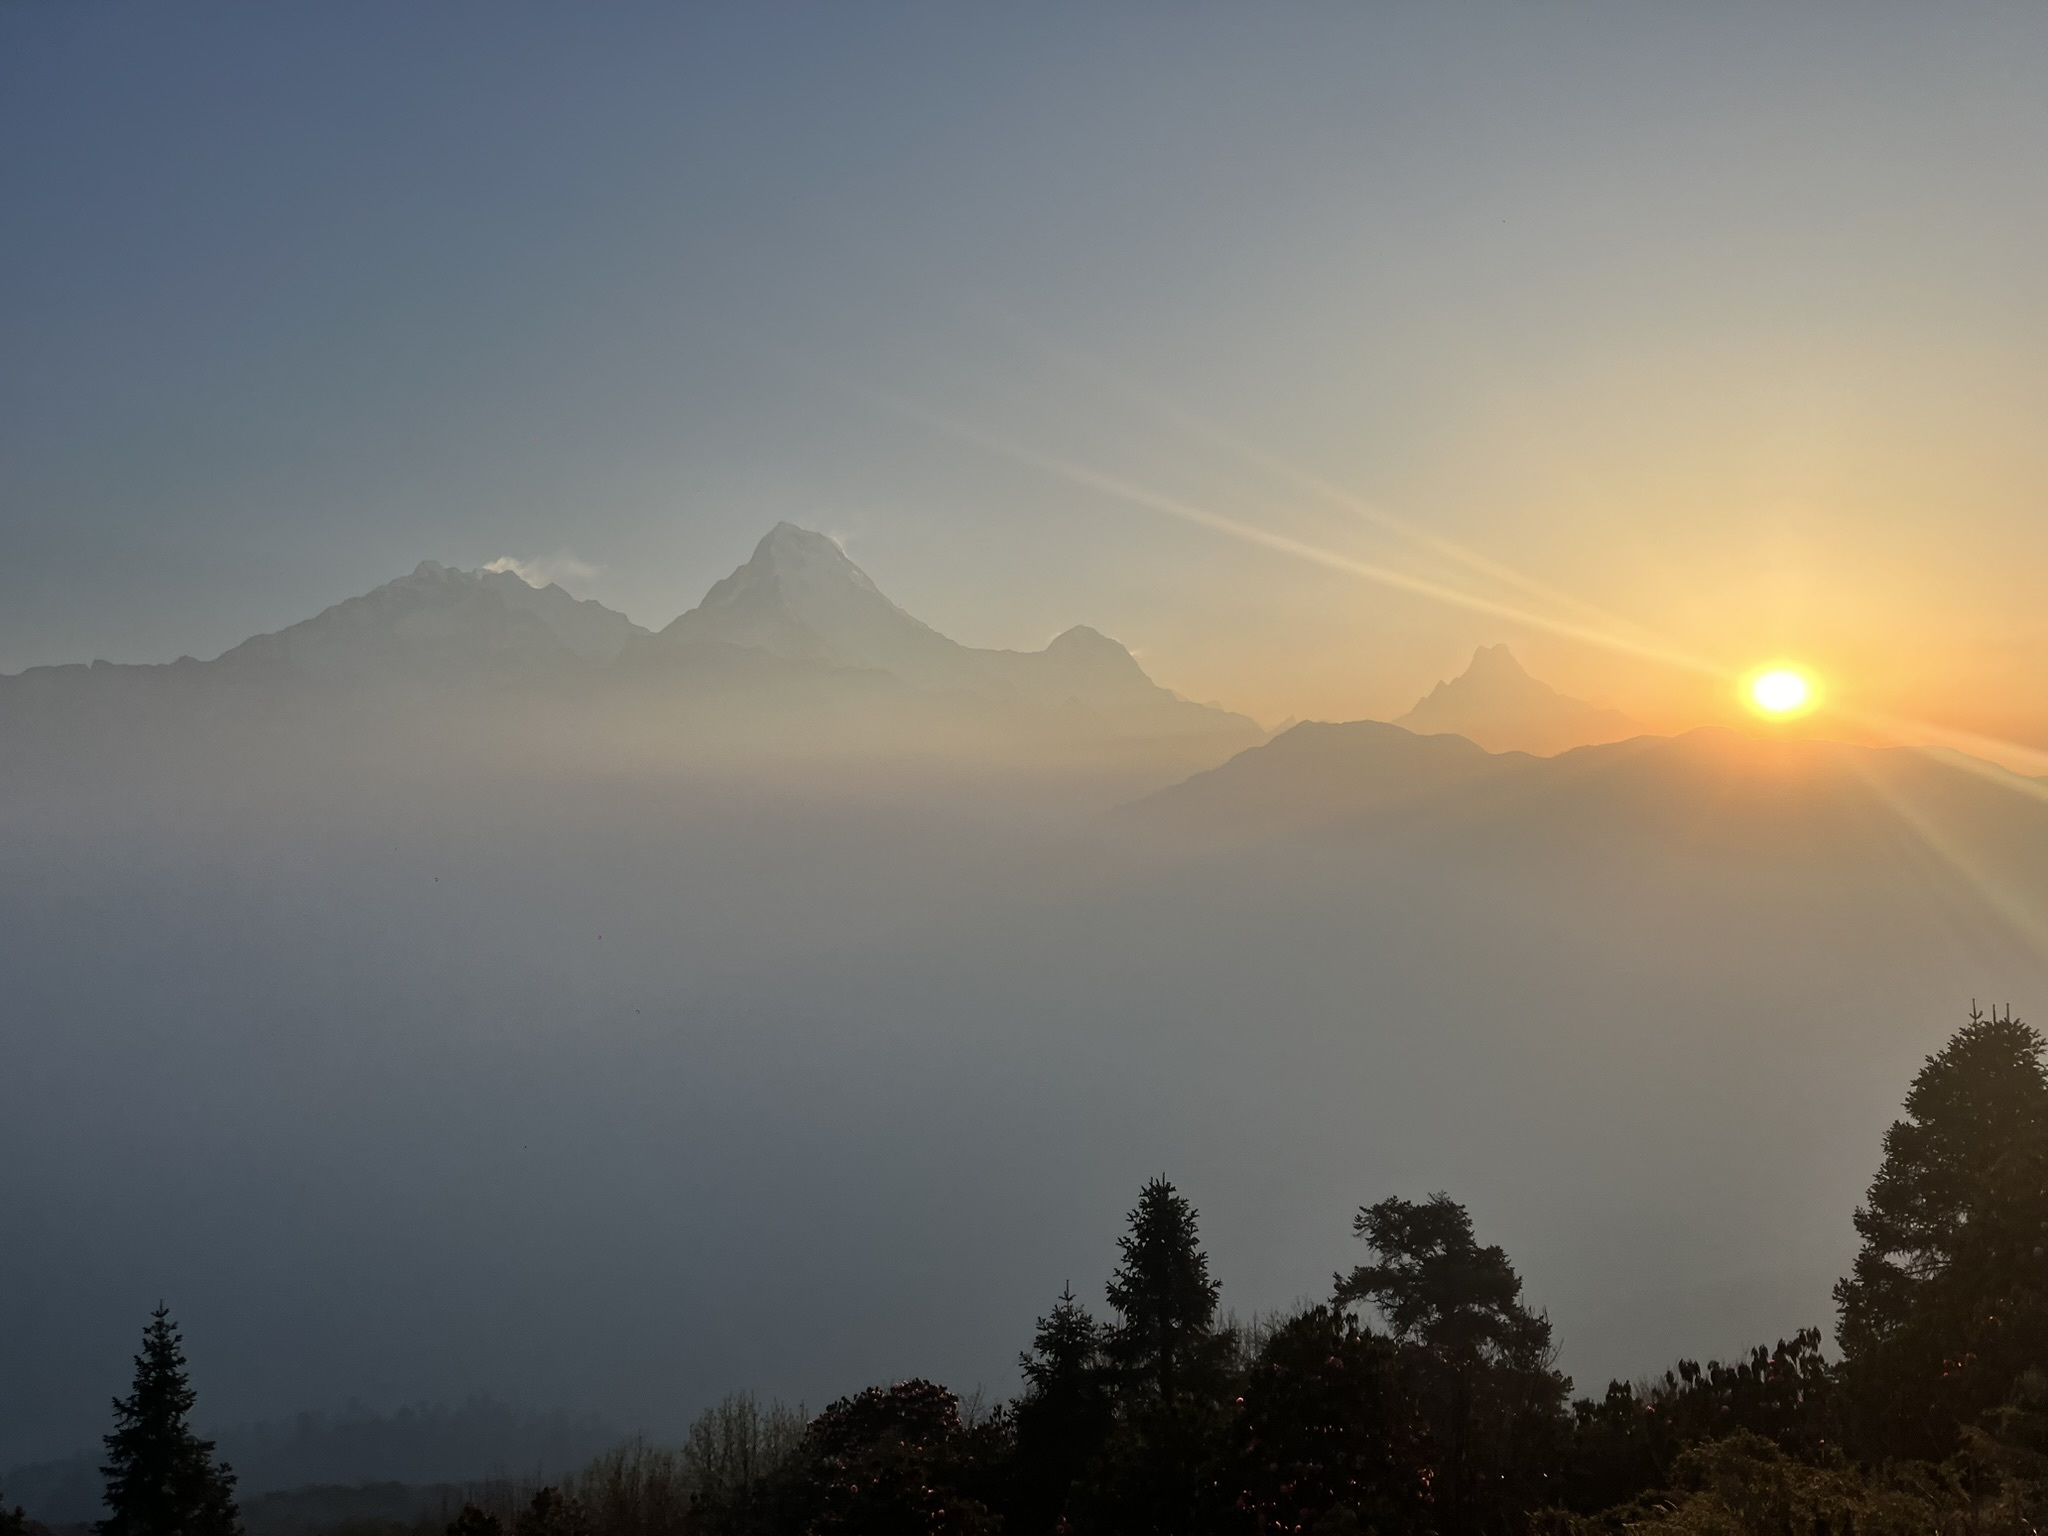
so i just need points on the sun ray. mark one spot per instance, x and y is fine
(1117, 488)
(2019, 914)
(1989, 757)
(1191, 424)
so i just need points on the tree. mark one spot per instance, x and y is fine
(1484, 1362)
(1169, 1367)
(1947, 1305)
(1064, 1415)
(1328, 1435)
(473, 1521)
(13, 1522)
(162, 1479)
(1165, 1335)
(1744, 1483)
(736, 1461)
(549, 1514)
(895, 1461)
(1628, 1444)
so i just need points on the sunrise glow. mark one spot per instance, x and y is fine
(1779, 692)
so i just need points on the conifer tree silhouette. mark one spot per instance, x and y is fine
(1065, 1413)
(1164, 1298)
(162, 1479)
(1170, 1369)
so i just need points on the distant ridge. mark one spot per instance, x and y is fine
(1320, 773)
(799, 597)
(1746, 796)
(1500, 706)
(442, 619)
(797, 652)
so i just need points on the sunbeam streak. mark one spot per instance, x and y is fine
(1989, 757)
(1119, 489)
(1191, 424)
(2020, 916)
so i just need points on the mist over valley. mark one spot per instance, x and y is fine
(468, 991)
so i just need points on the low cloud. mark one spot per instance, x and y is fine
(558, 567)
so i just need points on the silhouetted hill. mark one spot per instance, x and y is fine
(1316, 773)
(1711, 789)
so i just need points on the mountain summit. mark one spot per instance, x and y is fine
(1501, 707)
(799, 597)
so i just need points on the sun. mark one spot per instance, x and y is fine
(1780, 692)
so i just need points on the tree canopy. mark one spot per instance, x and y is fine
(1947, 1305)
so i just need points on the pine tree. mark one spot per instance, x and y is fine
(1165, 1301)
(1170, 1368)
(1947, 1305)
(161, 1478)
(1064, 1414)
(13, 1522)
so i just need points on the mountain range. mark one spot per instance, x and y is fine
(797, 651)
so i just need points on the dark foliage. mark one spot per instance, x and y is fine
(1947, 1305)
(1170, 1370)
(162, 1479)
(1063, 1419)
(1327, 1436)
(1422, 1401)
(1630, 1440)
(897, 1461)
(1163, 1343)
(549, 1514)
(1483, 1362)
(473, 1521)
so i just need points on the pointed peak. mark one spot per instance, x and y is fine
(787, 540)
(1495, 661)
(1497, 704)
(1083, 638)
(431, 569)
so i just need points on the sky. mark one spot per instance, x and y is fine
(1302, 349)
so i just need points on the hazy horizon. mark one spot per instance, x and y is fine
(1745, 378)
(963, 440)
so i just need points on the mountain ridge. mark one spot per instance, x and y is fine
(1496, 703)
(1713, 783)
(797, 649)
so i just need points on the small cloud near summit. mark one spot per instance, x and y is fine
(558, 567)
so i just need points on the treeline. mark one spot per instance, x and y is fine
(1422, 1398)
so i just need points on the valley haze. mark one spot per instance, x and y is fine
(469, 990)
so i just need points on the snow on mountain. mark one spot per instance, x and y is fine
(440, 622)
